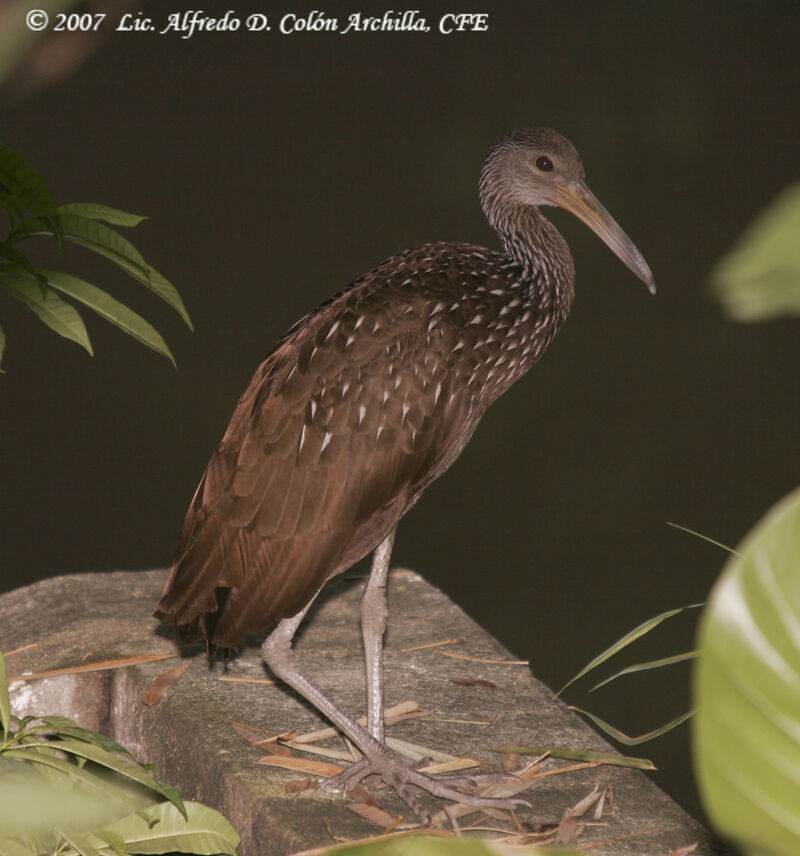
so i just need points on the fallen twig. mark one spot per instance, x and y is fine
(484, 659)
(429, 645)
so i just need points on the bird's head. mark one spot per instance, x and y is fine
(537, 166)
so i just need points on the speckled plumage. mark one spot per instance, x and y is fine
(364, 403)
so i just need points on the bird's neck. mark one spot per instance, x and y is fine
(533, 244)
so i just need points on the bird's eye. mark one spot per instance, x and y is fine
(544, 164)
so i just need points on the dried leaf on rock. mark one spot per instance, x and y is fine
(684, 851)
(451, 766)
(390, 716)
(302, 765)
(374, 814)
(569, 829)
(155, 690)
(360, 794)
(299, 785)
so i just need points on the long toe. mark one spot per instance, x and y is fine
(406, 781)
(349, 778)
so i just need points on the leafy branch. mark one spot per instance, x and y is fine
(66, 790)
(31, 213)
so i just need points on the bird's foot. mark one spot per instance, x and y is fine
(404, 780)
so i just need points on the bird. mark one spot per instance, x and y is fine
(357, 410)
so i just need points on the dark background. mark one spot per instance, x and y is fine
(276, 169)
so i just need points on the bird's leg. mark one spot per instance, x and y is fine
(279, 656)
(277, 653)
(373, 626)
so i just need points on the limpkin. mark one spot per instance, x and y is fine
(358, 408)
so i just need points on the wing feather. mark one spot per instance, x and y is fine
(340, 430)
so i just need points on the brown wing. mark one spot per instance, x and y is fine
(341, 428)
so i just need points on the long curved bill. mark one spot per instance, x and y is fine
(580, 201)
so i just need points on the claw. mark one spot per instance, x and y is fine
(403, 779)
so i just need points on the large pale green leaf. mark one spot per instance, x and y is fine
(10, 847)
(45, 757)
(109, 308)
(165, 830)
(5, 702)
(747, 690)
(416, 844)
(760, 277)
(78, 842)
(114, 841)
(24, 184)
(35, 799)
(95, 211)
(56, 313)
(420, 845)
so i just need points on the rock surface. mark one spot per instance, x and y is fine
(190, 738)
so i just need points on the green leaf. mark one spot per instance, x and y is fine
(109, 308)
(41, 755)
(167, 292)
(54, 224)
(747, 690)
(110, 244)
(760, 277)
(701, 536)
(567, 754)
(60, 725)
(114, 841)
(633, 741)
(10, 847)
(102, 239)
(77, 842)
(110, 760)
(627, 639)
(651, 664)
(24, 184)
(12, 206)
(51, 309)
(165, 830)
(21, 260)
(5, 702)
(94, 211)
(426, 844)
(142, 272)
